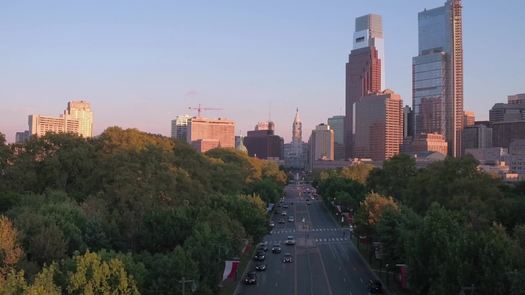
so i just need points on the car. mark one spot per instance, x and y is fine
(287, 258)
(290, 241)
(250, 278)
(262, 247)
(281, 221)
(285, 206)
(260, 267)
(276, 248)
(271, 224)
(291, 219)
(260, 256)
(375, 287)
(284, 213)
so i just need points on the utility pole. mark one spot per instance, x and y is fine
(183, 282)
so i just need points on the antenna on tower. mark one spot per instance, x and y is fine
(269, 111)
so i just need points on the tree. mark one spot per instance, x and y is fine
(373, 206)
(393, 179)
(10, 250)
(357, 172)
(89, 274)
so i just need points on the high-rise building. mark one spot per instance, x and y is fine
(438, 74)
(469, 119)
(179, 127)
(40, 125)
(379, 126)
(503, 133)
(337, 124)
(517, 157)
(81, 110)
(321, 144)
(364, 69)
(408, 122)
(263, 143)
(77, 119)
(205, 134)
(22, 137)
(513, 110)
(295, 152)
(425, 143)
(477, 137)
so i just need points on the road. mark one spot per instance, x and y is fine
(325, 260)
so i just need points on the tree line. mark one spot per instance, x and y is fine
(126, 213)
(453, 225)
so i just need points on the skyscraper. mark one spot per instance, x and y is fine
(438, 74)
(179, 127)
(364, 69)
(379, 126)
(321, 144)
(81, 110)
(337, 124)
(205, 134)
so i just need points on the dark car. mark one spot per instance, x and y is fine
(260, 256)
(260, 267)
(375, 287)
(287, 258)
(276, 248)
(262, 247)
(251, 278)
(281, 221)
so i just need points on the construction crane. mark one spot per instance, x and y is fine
(200, 109)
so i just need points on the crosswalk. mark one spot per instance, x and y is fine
(293, 230)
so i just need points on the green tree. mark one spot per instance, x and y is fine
(393, 178)
(89, 274)
(357, 172)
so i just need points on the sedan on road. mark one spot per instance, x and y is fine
(281, 221)
(375, 287)
(276, 248)
(260, 256)
(287, 258)
(291, 219)
(251, 278)
(290, 241)
(260, 267)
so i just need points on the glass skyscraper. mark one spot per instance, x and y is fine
(438, 74)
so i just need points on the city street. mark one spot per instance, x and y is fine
(325, 260)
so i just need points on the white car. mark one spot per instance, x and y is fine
(290, 240)
(291, 219)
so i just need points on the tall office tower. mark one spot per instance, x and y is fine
(297, 128)
(438, 74)
(513, 110)
(337, 124)
(408, 122)
(205, 134)
(81, 110)
(364, 69)
(40, 125)
(469, 119)
(477, 137)
(321, 144)
(379, 126)
(264, 144)
(179, 127)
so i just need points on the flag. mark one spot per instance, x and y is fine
(230, 269)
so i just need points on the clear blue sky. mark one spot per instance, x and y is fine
(140, 63)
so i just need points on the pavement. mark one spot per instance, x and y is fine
(325, 259)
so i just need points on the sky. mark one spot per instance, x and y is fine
(142, 63)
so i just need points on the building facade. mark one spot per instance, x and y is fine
(295, 153)
(364, 70)
(22, 137)
(264, 144)
(438, 74)
(40, 125)
(513, 110)
(379, 126)
(408, 122)
(503, 133)
(469, 119)
(204, 133)
(321, 144)
(179, 127)
(426, 142)
(81, 111)
(337, 124)
(517, 157)
(477, 137)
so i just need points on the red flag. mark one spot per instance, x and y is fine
(230, 269)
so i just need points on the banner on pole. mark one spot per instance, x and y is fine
(230, 269)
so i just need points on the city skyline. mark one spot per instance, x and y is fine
(140, 64)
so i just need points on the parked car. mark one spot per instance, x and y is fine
(290, 240)
(276, 248)
(262, 247)
(287, 258)
(271, 224)
(251, 278)
(284, 213)
(291, 219)
(375, 287)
